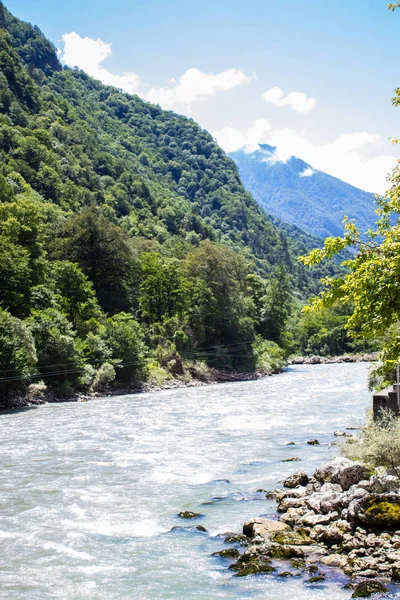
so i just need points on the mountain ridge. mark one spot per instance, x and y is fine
(299, 194)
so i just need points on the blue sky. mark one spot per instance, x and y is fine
(226, 59)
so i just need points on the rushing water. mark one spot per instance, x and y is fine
(89, 492)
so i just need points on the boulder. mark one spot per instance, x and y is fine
(313, 442)
(381, 511)
(263, 527)
(343, 471)
(295, 480)
(227, 553)
(187, 514)
(311, 519)
(287, 503)
(235, 538)
(365, 589)
(292, 538)
(293, 515)
(383, 484)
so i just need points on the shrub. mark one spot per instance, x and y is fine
(125, 338)
(104, 375)
(36, 391)
(17, 351)
(268, 355)
(379, 444)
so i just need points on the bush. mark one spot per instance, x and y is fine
(379, 444)
(157, 375)
(36, 391)
(104, 375)
(125, 338)
(268, 355)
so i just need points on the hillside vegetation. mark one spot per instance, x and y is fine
(129, 249)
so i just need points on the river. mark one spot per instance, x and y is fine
(89, 492)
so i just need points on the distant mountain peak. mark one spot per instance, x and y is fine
(295, 192)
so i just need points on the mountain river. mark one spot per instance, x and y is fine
(89, 492)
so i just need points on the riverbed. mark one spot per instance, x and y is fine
(89, 492)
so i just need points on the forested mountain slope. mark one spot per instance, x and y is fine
(128, 244)
(296, 193)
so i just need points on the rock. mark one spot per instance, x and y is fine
(263, 527)
(281, 552)
(333, 560)
(292, 459)
(311, 519)
(187, 514)
(365, 589)
(298, 564)
(293, 515)
(284, 574)
(313, 442)
(252, 562)
(295, 480)
(287, 503)
(201, 528)
(227, 553)
(342, 434)
(235, 538)
(255, 567)
(384, 484)
(396, 575)
(343, 471)
(298, 492)
(317, 579)
(273, 494)
(377, 510)
(292, 538)
(329, 536)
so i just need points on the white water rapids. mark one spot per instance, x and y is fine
(89, 492)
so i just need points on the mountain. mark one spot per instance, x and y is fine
(129, 247)
(298, 194)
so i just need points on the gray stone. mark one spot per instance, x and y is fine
(263, 527)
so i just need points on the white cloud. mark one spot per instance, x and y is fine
(298, 101)
(308, 171)
(344, 157)
(195, 85)
(232, 139)
(89, 54)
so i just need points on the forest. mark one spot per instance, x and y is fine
(129, 249)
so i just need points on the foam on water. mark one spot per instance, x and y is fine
(89, 492)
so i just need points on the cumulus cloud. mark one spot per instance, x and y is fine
(89, 54)
(343, 157)
(195, 85)
(298, 101)
(232, 139)
(308, 171)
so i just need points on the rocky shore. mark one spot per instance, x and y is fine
(343, 516)
(325, 360)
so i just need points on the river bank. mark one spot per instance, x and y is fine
(37, 396)
(192, 377)
(331, 360)
(344, 516)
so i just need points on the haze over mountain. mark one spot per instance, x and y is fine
(295, 192)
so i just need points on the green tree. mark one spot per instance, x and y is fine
(125, 338)
(17, 352)
(105, 255)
